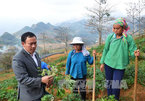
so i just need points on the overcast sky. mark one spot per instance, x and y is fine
(15, 14)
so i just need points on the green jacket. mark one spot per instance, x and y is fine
(116, 51)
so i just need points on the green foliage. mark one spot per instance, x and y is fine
(141, 73)
(72, 97)
(49, 97)
(60, 93)
(89, 73)
(4, 74)
(99, 78)
(6, 60)
(141, 44)
(52, 64)
(8, 90)
(61, 59)
(129, 75)
(60, 82)
(10, 82)
(68, 83)
(130, 72)
(110, 98)
(62, 64)
(99, 49)
(51, 72)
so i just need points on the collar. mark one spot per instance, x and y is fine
(114, 36)
(74, 51)
(29, 53)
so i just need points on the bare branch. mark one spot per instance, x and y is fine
(98, 17)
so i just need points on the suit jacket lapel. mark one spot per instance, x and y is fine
(29, 58)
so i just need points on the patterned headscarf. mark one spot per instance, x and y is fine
(122, 22)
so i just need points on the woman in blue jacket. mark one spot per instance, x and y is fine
(45, 66)
(76, 65)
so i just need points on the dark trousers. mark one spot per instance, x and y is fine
(113, 79)
(81, 86)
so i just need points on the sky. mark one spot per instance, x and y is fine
(15, 14)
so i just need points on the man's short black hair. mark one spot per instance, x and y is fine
(27, 34)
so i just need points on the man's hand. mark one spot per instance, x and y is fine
(47, 80)
(137, 53)
(102, 67)
(50, 82)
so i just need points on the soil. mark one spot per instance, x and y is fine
(128, 95)
(53, 58)
(6, 75)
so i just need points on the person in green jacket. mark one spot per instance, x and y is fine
(115, 57)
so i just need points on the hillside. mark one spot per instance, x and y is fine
(77, 28)
(37, 29)
(8, 87)
(80, 29)
(8, 39)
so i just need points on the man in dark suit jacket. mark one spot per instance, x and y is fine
(31, 86)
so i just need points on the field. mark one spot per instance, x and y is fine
(8, 83)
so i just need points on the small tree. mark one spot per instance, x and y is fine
(63, 35)
(98, 17)
(140, 9)
(134, 11)
(143, 23)
(132, 14)
(43, 51)
(44, 41)
(6, 60)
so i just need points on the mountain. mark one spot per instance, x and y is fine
(76, 28)
(8, 39)
(79, 28)
(37, 29)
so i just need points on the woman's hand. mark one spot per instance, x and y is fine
(94, 52)
(102, 67)
(137, 53)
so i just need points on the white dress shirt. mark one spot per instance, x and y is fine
(33, 57)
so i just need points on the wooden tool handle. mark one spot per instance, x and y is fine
(93, 97)
(135, 78)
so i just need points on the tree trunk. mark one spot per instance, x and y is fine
(100, 37)
(66, 47)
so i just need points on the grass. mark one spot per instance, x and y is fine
(4, 74)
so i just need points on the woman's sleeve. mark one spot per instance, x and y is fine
(44, 65)
(106, 48)
(132, 46)
(90, 59)
(68, 64)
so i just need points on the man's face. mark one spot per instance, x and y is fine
(30, 44)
